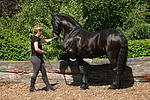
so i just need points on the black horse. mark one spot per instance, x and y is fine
(79, 43)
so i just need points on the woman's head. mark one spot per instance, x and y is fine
(37, 28)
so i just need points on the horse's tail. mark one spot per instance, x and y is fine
(122, 56)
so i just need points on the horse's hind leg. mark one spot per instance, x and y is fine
(117, 73)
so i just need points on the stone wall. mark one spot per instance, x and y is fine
(100, 71)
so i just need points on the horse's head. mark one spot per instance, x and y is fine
(56, 27)
(64, 23)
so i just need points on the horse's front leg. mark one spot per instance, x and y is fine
(84, 73)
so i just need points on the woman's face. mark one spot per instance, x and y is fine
(40, 32)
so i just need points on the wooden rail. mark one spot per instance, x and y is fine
(138, 69)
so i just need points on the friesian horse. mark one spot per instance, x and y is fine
(79, 43)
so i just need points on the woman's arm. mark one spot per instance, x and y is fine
(37, 49)
(48, 40)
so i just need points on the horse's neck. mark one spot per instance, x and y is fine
(72, 32)
(67, 32)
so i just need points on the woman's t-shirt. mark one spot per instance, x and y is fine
(35, 53)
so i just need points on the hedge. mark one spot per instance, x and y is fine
(129, 16)
(139, 48)
(14, 46)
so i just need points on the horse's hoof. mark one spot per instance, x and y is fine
(84, 86)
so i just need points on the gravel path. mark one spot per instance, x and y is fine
(20, 91)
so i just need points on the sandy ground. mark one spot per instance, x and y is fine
(20, 91)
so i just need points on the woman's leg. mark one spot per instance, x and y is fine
(45, 78)
(36, 62)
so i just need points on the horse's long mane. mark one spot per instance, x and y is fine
(69, 19)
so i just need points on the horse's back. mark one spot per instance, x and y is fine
(113, 32)
(111, 35)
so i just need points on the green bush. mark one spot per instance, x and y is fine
(129, 16)
(139, 48)
(14, 46)
(93, 15)
(141, 31)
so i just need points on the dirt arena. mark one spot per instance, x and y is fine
(20, 91)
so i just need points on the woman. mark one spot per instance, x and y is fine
(37, 58)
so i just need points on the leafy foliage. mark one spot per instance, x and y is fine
(129, 16)
(139, 48)
(9, 7)
(140, 31)
(95, 15)
(14, 46)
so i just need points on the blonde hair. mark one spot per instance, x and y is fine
(36, 28)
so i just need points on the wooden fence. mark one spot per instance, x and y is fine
(100, 71)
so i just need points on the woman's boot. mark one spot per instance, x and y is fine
(48, 86)
(32, 88)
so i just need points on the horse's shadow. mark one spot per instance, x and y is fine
(98, 75)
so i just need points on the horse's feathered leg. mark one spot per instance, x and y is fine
(121, 60)
(63, 66)
(118, 62)
(84, 72)
(84, 84)
(116, 75)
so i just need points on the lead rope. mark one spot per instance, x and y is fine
(44, 56)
